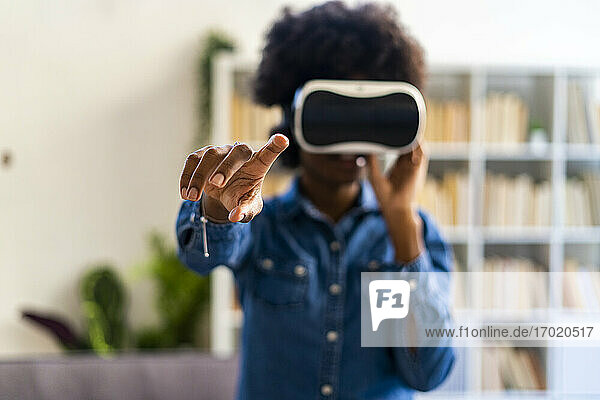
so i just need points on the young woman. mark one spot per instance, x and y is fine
(297, 258)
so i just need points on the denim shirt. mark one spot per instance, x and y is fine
(298, 279)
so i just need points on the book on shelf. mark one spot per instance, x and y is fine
(582, 200)
(516, 201)
(513, 284)
(581, 286)
(447, 121)
(458, 286)
(251, 122)
(583, 116)
(507, 368)
(506, 118)
(446, 198)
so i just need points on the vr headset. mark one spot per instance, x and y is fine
(356, 116)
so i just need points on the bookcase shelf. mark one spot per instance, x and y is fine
(455, 234)
(517, 234)
(448, 151)
(519, 152)
(541, 98)
(582, 234)
(583, 152)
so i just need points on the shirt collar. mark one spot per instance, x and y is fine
(293, 201)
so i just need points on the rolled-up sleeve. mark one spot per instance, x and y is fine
(228, 244)
(424, 368)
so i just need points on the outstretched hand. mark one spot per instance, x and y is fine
(232, 175)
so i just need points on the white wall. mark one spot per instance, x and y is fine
(97, 107)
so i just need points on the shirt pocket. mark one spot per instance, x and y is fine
(281, 281)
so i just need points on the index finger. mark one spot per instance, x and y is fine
(375, 174)
(266, 156)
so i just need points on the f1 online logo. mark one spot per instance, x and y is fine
(389, 300)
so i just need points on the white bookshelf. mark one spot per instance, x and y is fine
(545, 91)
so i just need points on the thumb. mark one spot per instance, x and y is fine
(264, 158)
(246, 210)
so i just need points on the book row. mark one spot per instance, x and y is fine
(507, 119)
(507, 368)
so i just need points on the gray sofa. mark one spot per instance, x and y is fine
(173, 376)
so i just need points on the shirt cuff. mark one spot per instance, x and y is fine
(429, 287)
(214, 231)
(421, 263)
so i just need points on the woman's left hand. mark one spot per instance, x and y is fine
(397, 190)
(396, 193)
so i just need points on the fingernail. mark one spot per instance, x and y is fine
(231, 215)
(217, 179)
(193, 194)
(183, 192)
(281, 138)
(242, 216)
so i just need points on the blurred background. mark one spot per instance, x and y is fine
(102, 100)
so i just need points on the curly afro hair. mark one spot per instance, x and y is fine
(333, 41)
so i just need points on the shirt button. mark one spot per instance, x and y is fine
(334, 246)
(326, 390)
(267, 263)
(335, 289)
(300, 270)
(413, 284)
(332, 336)
(373, 265)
